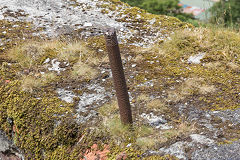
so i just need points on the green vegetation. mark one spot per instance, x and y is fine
(35, 120)
(223, 13)
(226, 13)
(45, 127)
(215, 82)
(164, 7)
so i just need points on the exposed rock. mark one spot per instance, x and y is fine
(65, 95)
(8, 151)
(219, 152)
(87, 18)
(156, 121)
(196, 59)
(201, 139)
(176, 149)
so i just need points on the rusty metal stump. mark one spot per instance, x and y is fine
(118, 76)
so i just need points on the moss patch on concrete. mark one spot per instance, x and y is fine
(161, 77)
(40, 123)
(213, 83)
(12, 33)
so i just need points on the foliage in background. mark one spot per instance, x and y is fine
(164, 7)
(167, 7)
(226, 13)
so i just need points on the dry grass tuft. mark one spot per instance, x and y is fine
(33, 53)
(83, 70)
(109, 109)
(53, 44)
(212, 65)
(174, 96)
(48, 77)
(72, 52)
(234, 66)
(139, 58)
(183, 129)
(205, 89)
(26, 54)
(146, 142)
(157, 104)
(143, 98)
(189, 87)
(29, 83)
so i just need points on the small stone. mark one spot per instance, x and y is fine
(201, 139)
(196, 59)
(86, 24)
(134, 65)
(129, 145)
(47, 60)
(139, 16)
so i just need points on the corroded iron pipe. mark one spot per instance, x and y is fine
(118, 76)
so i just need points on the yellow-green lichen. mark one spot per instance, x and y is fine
(116, 2)
(10, 33)
(145, 24)
(97, 43)
(44, 126)
(133, 141)
(41, 124)
(217, 86)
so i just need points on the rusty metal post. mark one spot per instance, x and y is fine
(118, 76)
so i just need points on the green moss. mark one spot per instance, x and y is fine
(96, 43)
(156, 157)
(130, 152)
(142, 19)
(111, 7)
(10, 35)
(44, 126)
(228, 141)
(116, 2)
(104, 11)
(218, 77)
(41, 124)
(135, 153)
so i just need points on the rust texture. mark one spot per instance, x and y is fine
(118, 76)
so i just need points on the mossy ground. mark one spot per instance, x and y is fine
(214, 82)
(211, 85)
(45, 127)
(32, 115)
